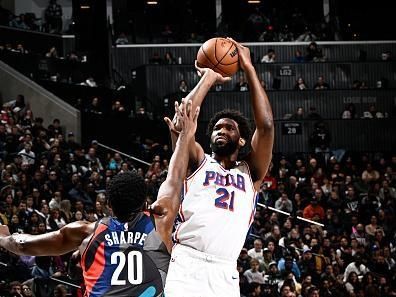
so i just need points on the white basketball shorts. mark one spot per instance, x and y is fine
(196, 274)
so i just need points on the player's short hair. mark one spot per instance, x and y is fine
(243, 123)
(127, 194)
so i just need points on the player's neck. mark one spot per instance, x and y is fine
(227, 162)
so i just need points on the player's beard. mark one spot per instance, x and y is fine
(224, 150)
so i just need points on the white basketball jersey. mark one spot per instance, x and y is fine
(217, 209)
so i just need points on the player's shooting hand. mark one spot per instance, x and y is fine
(217, 77)
(188, 118)
(4, 231)
(244, 54)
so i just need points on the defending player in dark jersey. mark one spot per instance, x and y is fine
(122, 255)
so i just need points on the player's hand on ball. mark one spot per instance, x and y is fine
(244, 54)
(219, 79)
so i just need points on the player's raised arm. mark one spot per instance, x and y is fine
(263, 137)
(167, 205)
(55, 243)
(197, 95)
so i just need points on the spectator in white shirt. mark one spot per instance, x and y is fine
(270, 57)
(27, 155)
(257, 251)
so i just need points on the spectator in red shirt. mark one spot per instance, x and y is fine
(270, 181)
(313, 211)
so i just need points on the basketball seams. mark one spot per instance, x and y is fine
(219, 61)
(207, 58)
(228, 63)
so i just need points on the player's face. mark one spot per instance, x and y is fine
(225, 137)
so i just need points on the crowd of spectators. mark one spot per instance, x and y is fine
(49, 180)
(353, 254)
(51, 22)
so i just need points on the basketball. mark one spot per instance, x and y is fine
(219, 54)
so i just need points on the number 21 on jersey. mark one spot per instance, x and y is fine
(225, 199)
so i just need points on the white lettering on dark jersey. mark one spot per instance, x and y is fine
(125, 237)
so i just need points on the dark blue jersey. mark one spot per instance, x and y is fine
(125, 259)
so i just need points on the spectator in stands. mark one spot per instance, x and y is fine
(241, 85)
(321, 84)
(349, 112)
(54, 129)
(17, 106)
(19, 22)
(370, 174)
(21, 49)
(183, 86)
(314, 211)
(356, 84)
(53, 17)
(94, 107)
(298, 57)
(52, 53)
(122, 39)
(386, 56)
(269, 57)
(355, 267)
(26, 290)
(15, 289)
(300, 85)
(298, 114)
(320, 139)
(168, 59)
(284, 203)
(257, 251)
(253, 274)
(194, 38)
(73, 57)
(306, 36)
(314, 53)
(28, 156)
(372, 113)
(285, 34)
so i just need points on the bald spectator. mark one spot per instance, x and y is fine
(257, 251)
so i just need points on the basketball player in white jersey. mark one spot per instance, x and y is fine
(220, 195)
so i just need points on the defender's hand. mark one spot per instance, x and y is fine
(174, 124)
(188, 119)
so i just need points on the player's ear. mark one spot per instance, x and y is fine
(242, 141)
